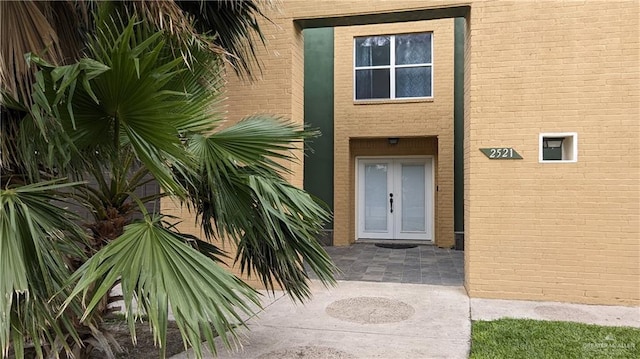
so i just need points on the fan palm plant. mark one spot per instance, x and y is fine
(88, 128)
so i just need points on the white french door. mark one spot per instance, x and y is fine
(395, 198)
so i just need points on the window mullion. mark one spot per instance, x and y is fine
(372, 67)
(392, 68)
(413, 65)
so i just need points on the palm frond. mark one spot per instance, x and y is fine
(239, 193)
(287, 223)
(43, 143)
(135, 94)
(169, 16)
(160, 272)
(34, 235)
(235, 27)
(51, 29)
(228, 28)
(257, 141)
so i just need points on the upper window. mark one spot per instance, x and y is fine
(393, 66)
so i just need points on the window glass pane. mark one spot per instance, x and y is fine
(375, 197)
(372, 51)
(413, 198)
(413, 49)
(372, 84)
(413, 82)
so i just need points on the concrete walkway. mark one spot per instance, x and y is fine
(361, 320)
(607, 315)
(393, 320)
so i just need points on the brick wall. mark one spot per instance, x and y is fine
(554, 231)
(541, 231)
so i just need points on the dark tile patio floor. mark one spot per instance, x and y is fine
(424, 264)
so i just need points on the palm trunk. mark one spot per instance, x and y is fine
(103, 232)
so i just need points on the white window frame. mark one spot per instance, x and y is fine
(392, 69)
(569, 146)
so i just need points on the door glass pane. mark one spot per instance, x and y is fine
(373, 51)
(413, 201)
(413, 49)
(413, 82)
(372, 84)
(375, 197)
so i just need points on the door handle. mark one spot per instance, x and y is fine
(391, 202)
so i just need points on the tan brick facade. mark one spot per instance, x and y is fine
(554, 231)
(540, 231)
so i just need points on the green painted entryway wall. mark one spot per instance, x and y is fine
(318, 113)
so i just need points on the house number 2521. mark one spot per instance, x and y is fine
(501, 153)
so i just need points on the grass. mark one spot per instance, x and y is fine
(525, 338)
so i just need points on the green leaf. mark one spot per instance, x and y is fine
(235, 27)
(273, 224)
(160, 272)
(33, 236)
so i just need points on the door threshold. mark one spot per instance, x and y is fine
(418, 242)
